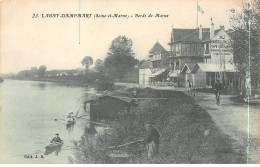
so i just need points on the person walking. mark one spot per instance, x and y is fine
(189, 86)
(151, 140)
(218, 87)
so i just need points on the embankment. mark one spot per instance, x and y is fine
(188, 134)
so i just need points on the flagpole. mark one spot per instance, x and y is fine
(197, 17)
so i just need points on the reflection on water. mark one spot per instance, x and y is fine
(29, 110)
(41, 85)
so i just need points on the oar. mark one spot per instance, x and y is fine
(122, 145)
(59, 119)
(77, 113)
(82, 116)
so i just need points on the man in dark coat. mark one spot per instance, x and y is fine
(151, 140)
(218, 87)
(56, 139)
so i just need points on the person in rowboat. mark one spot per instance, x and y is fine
(56, 139)
(70, 117)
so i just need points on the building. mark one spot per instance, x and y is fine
(191, 49)
(144, 72)
(158, 57)
(109, 106)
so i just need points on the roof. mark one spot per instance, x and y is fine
(208, 67)
(119, 95)
(189, 34)
(144, 64)
(189, 66)
(157, 47)
(173, 74)
(158, 72)
(216, 31)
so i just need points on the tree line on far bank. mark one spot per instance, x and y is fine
(119, 65)
(33, 73)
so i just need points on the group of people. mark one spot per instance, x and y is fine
(218, 87)
(70, 118)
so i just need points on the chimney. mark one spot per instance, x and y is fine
(212, 30)
(222, 27)
(200, 32)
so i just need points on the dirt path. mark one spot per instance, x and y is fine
(232, 119)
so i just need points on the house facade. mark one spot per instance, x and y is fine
(158, 58)
(191, 49)
(144, 72)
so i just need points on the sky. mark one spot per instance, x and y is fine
(28, 42)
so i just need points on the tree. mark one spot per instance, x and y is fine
(120, 57)
(87, 62)
(246, 25)
(99, 65)
(42, 71)
(34, 71)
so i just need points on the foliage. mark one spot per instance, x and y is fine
(34, 71)
(246, 24)
(99, 64)
(104, 83)
(120, 57)
(24, 74)
(42, 71)
(87, 62)
(91, 149)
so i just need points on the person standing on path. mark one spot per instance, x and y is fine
(151, 140)
(218, 87)
(189, 86)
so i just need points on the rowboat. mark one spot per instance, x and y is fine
(53, 147)
(70, 124)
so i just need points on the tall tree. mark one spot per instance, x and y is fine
(87, 62)
(99, 65)
(120, 57)
(42, 70)
(34, 71)
(246, 39)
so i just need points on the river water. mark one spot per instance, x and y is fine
(28, 113)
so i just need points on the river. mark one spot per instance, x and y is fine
(28, 113)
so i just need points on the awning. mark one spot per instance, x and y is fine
(205, 67)
(157, 73)
(173, 74)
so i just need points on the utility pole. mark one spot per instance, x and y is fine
(197, 26)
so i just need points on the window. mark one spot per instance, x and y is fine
(177, 65)
(172, 65)
(178, 48)
(207, 48)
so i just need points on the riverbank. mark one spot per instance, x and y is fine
(188, 133)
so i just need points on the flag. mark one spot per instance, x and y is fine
(200, 9)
